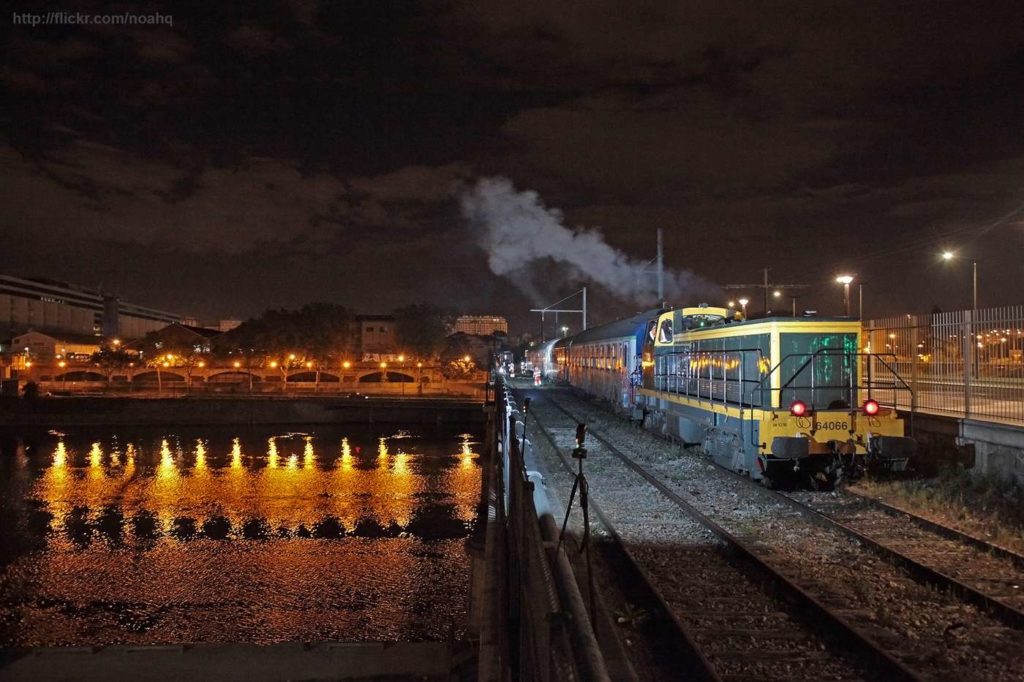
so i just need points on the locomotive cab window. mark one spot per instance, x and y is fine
(665, 332)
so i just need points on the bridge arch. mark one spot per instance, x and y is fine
(392, 378)
(80, 375)
(152, 377)
(235, 376)
(311, 377)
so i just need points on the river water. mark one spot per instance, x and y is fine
(156, 536)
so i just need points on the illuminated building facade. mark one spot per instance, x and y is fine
(42, 347)
(481, 325)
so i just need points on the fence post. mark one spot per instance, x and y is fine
(914, 355)
(968, 360)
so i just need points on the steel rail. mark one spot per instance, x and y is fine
(895, 668)
(920, 572)
(943, 530)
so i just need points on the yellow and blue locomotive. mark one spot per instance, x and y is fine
(773, 397)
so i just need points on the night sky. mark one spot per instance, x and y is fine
(298, 150)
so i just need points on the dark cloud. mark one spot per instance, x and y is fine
(302, 149)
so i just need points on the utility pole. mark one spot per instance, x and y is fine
(766, 292)
(661, 273)
(584, 309)
(974, 288)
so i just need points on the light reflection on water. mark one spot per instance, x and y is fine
(259, 536)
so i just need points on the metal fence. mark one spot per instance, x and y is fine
(965, 364)
(548, 636)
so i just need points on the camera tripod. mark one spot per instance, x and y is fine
(580, 484)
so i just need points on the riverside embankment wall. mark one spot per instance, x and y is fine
(100, 411)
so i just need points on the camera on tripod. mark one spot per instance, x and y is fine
(580, 452)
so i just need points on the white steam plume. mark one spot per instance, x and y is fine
(517, 230)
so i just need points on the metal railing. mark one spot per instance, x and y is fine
(966, 363)
(712, 375)
(853, 390)
(548, 636)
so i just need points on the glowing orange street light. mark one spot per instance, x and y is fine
(28, 364)
(273, 364)
(383, 365)
(116, 342)
(401, 358)
(419, 364)
(237, 364)
(465, 358)
(167, 364)
(346, 364)
(62, 364)
(291, 356)
(202, 364)
(308, 365)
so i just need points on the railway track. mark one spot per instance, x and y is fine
(928, 636)
(739, 618)
(985, 575)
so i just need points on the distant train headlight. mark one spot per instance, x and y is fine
(798, 408)
(870, 407)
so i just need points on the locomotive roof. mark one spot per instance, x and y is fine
(627, 326)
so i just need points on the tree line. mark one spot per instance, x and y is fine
(315, 335)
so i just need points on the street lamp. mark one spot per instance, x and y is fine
(950, 255)
(565, 331)
(845, 280)
(743, 305)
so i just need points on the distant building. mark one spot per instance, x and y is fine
(481, 325)
(40, 347)
(57, 307)
(199, 339)
(228, 325)
(376, 336)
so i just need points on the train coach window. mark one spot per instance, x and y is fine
(665, 332)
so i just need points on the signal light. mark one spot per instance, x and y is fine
(871, 407)
(798, 408)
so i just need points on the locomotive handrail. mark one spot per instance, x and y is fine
(828, 351)
(741, 380)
